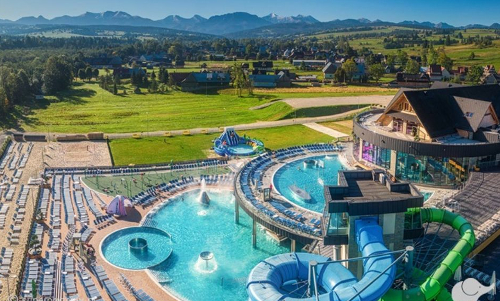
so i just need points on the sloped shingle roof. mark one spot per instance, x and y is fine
(441, 114)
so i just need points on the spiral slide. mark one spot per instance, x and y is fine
(267, 279)
(432, 288)
(339, 284)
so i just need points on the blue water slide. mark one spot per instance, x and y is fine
(267, 281)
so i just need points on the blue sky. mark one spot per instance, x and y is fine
(455, 12)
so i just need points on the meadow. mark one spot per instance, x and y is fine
(153, 150)
(88, 108)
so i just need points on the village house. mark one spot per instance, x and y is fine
(490, 76)
(199, 80)
(104, 62)
(127, 72)
(330, 69)
(405, 80)
(280, 80)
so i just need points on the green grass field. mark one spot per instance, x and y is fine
(133, 184)
(344, 126)
(181, 148)
(88, 108)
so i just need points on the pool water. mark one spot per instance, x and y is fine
(196, 228)
(311, 179)
(115, 248)
(427, 195)
(242, 149)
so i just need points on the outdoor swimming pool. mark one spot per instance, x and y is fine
(242, 149)
(308, 177)
(197, 228)
(116, 249)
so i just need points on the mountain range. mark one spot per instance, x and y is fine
(231, 24)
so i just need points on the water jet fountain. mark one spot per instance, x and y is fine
(206, 263)
(203, 198)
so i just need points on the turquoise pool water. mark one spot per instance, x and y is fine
(196, 228)
(309, 178)
(242, 149)
(115, 248)
(427, 195)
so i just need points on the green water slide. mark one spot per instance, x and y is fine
(432, 288)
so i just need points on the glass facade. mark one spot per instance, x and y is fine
(428, 170)
(338, 224)
(439, 171)
(377, 155)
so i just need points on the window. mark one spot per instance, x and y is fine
(469, 114)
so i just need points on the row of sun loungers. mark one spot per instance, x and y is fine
(31, 273)
(140, 295)
(9, 194)
(6, 157)
(43, 202)
(13, 162)
(90, 288)
(86, 233)
(90, 202)
(67, 203)
(68, 278)
(47, 281)
(4, 208)
(55, 215)
(135, 170)
(23, 196)
(288, 212)
(6, 257)
(55, 240)
(104, 221)
(68, 238)
(108, 284)
(252, 174)
(80, 207)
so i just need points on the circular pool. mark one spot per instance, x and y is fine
(310, 175)
(241, 150)
(136, 248)
(212, 255)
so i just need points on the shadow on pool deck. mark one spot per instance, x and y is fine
(133, 216)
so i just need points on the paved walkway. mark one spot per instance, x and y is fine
(299, 103)
(325, 130)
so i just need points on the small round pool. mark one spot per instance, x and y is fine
(136, 248)
(310, 175)
(241, 150)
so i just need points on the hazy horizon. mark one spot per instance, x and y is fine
(457, 13)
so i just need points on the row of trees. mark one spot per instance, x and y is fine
(88, 73)
(17, 87)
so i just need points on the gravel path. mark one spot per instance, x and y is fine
(299, 103)
(325, 130)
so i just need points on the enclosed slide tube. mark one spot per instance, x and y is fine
(432, 288)
(266, 280)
